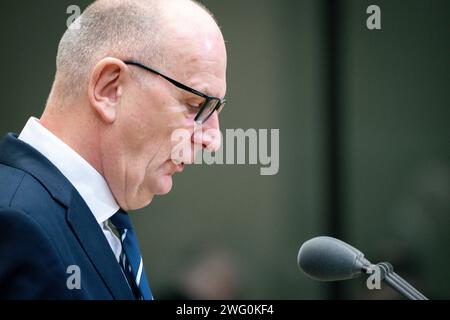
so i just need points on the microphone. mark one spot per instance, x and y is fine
(329, 259)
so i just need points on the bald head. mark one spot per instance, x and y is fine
(119, 116)
(153, 32)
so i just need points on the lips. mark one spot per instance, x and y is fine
(180, 167)
(172, 167)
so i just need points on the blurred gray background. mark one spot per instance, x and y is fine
(377, 99)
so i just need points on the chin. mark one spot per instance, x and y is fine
(164, 185)
(144, 197)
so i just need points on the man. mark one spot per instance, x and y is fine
(103, 146)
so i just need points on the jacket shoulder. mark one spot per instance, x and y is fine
(20, 190)
(10, 178)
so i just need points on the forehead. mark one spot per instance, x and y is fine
(206, 79)
(199, 60)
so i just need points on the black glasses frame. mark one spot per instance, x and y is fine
(208, 99)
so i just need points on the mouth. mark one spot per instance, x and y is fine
(172, 168)
(179, 167)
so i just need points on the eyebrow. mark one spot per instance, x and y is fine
(206, 90)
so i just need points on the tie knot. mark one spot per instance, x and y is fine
(121, 220)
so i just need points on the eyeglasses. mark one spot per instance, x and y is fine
(207, 108)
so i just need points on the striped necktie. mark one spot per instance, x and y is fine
(130, 256)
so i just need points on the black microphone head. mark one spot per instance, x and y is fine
(330, 259)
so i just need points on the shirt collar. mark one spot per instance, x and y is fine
(89, 183)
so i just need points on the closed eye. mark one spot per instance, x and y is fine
(194, 105)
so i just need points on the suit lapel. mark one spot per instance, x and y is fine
(97, 248)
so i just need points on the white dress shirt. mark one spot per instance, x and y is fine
(87, 181)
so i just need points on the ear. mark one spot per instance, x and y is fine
(105, 87)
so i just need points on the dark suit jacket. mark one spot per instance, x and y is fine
(46, 227)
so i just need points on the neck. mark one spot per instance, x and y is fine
(77, 128)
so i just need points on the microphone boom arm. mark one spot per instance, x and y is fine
(398, 283)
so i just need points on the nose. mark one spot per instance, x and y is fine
(208, 134)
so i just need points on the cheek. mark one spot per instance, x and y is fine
(146, 123)
(140, 126)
